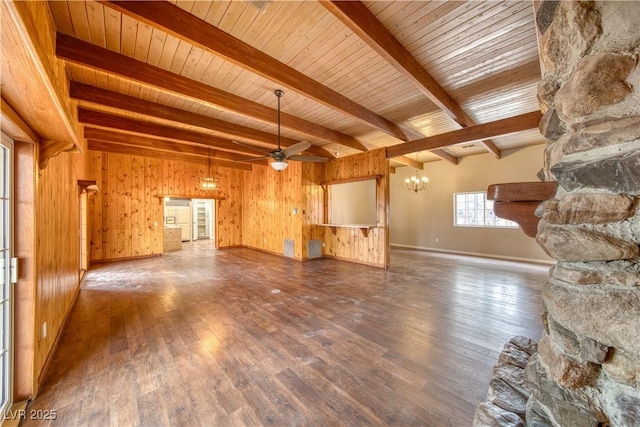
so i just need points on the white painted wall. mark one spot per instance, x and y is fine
(425, 219)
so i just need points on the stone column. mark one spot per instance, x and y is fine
(587, 368)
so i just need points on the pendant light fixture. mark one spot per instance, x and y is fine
(209, 182)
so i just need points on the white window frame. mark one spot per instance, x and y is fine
(486, 220)
(7, 334)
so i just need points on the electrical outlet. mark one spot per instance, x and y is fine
(264, 240)
(437, 240)
(44, 330)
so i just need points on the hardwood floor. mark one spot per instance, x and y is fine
(200, 337)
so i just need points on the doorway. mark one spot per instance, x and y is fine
(203, 219)
(195, 217)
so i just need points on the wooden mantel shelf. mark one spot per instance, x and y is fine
(364, 228)
(518, 201)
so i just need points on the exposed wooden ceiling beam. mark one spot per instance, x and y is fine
(446, 156)
(407, 161)
(146, 152)
(473, 133)
(88, 55)
(361, 21)
(185, 26)
(94, 95)
(97, 118)
(106, 135)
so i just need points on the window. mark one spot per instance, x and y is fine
(6, 294)
(474, 210)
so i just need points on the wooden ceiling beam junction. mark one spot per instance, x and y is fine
(361, 21)
(474, 133)
(187, 27)
(88, 55)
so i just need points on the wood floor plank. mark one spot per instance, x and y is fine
(197, 337)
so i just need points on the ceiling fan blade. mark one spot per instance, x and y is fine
(252, 147)
(296, 148)
(316, 159)
(250, 159)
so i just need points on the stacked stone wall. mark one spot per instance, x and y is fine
(587, 368)
(586, 371)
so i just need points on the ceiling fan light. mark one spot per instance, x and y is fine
(279, 165)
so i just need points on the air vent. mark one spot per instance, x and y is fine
(467, 146)
(314, 248)
(289, 246)
(260, 5)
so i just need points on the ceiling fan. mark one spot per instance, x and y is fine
(280, 155)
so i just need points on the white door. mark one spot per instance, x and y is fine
(6, 300)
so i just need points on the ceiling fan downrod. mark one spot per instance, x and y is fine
(279, 94)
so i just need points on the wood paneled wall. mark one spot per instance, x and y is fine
(126, 217)
(24, 223)
(348, 243)
(270, 201)
(314, 201)
(270, 198)
(57, 251)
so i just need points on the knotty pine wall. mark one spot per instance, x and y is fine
(270, 198)
(126, 217)
(57, 250)
(348, 243)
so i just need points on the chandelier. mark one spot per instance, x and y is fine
(209, 182)
(416, 183)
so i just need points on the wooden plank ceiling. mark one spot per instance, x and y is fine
(356, 75)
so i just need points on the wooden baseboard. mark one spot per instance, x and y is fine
(356, 261)
(474, 254)
(273, 253)
(54, 347)
(102, 261)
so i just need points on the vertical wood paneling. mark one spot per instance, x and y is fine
(351, 244)
(313, 202)
(57, 253)
(25, 249)
(270, 198)
(127, 215)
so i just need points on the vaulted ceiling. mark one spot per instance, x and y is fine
(192, 77)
